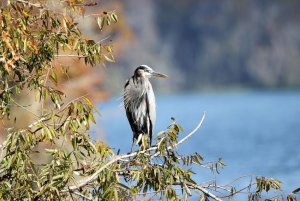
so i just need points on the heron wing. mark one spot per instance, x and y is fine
(129, 114)
(132, 122)
(132, 107)
(150, 111)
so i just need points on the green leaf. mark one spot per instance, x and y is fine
(116, 195)
(57, 177)
(109, 58)
(100, 22)
(51, 151)
(91, 116)
(296, 190)
(114, 17)
(53, 77)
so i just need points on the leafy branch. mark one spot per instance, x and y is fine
(124, 156)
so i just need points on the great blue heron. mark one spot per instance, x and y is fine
(139, 102)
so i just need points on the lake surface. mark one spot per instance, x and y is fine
(256, 133)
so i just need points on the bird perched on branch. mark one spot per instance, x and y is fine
(139, 102)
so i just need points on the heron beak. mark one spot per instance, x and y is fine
(159, 75)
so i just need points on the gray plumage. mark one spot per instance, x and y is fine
(139, 102)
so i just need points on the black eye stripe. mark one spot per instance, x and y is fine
(142, 68)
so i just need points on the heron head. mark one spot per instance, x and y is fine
(147, 72)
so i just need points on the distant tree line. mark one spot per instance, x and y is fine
(237, 43)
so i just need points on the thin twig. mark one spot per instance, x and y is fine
(155, 192)
(71, 55)
(103, 39)
(236, 179)
(185, 138)
(73, 100)
(34, 124)
(238, 191)
(225, 187)
(83, 4)
(90, 15)
(45, 83)
(98, 14)
(23, 107)
(191, 133)
(31, 4)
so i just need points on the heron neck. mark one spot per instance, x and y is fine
(138, 80)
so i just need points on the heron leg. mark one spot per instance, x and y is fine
(134, 142)
(132, 146)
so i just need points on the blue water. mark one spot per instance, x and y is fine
(256, 133)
